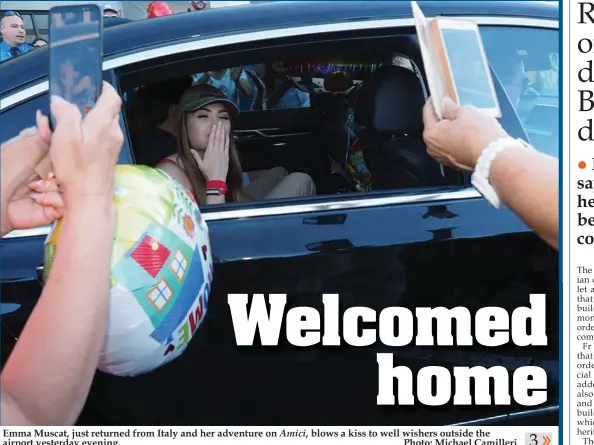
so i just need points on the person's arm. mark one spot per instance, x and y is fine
(253, 175)
(304, 98)
(244, 86)
(527, 182)
(201, 78)
(48, 375)
(215, 200)
(84, 84)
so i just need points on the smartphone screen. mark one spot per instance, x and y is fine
(76, 54)
(470, 73)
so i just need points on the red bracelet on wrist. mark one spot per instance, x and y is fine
(216, 188)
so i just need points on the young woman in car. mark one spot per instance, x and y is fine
(207, 162)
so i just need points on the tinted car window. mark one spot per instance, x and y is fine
(42, 25)
(29, 28)
(526, 61)
(22, 116)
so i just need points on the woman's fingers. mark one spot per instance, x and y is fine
(227, 141)
(227, 138)
(108, 105)
(52, 214)
(211, 138)
(43, 126)
(68, 120)
(197, 158)
(48, 199)
(429, 116)
(212, 142)
(44, 186)
(217, 140)
(23, 153)
(221, 137)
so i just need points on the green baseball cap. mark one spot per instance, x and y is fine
(199, 96)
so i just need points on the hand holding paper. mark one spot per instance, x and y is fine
(443, 137)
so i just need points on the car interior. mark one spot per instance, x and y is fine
(361, 93)
(359, 131)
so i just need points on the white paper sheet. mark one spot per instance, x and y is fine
(432, 67)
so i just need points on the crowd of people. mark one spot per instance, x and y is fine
(13, 34)
(257, 87)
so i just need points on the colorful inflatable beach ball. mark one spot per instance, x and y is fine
(161, 272)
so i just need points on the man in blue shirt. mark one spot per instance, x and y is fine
(232, 82)
(13, 33)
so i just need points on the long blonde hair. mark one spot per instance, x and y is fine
(234, 175)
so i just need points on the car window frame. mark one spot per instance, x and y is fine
(316, 204)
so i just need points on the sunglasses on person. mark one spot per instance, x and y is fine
(10, 14)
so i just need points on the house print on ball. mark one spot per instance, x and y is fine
(177, 271)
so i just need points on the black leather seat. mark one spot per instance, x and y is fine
(390, 108)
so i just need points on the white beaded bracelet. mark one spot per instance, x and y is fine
(480, 177)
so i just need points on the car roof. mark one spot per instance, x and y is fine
(30, 67)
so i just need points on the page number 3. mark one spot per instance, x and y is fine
(538, 439)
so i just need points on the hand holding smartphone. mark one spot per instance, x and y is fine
(76, 55)
(455, 62)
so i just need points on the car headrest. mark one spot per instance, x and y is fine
(391, 101)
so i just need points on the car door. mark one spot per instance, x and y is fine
(423, 247)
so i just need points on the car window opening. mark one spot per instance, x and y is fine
(350, 121)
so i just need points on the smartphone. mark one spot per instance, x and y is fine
(465, 70)
(76, 54)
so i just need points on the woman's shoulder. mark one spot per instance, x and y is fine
(171, 159)
(171, 164)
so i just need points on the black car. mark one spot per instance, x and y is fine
(414, 244)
